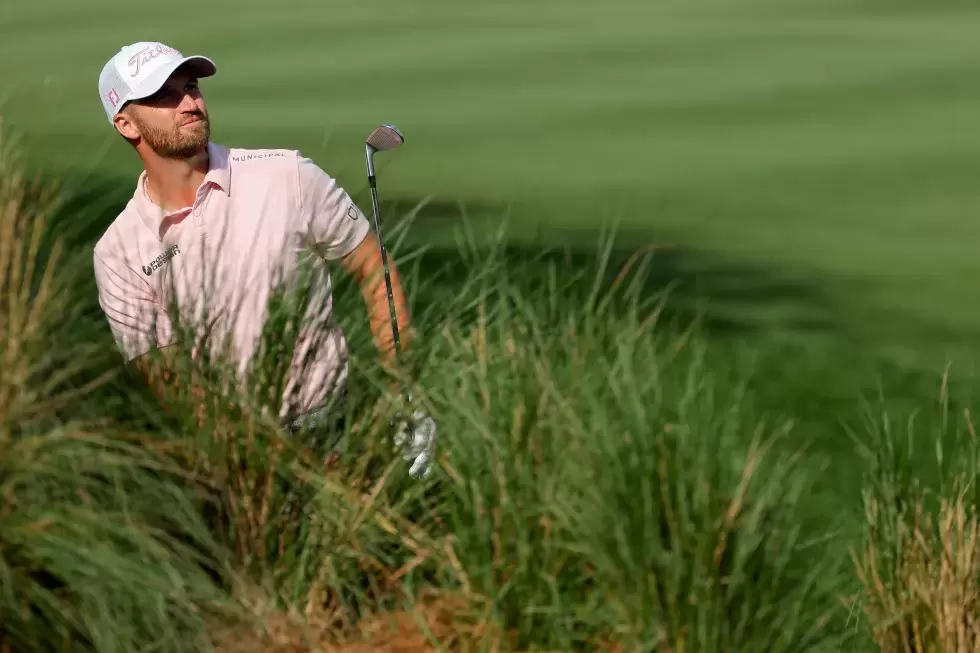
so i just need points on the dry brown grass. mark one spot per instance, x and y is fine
(436, 623)
(928, 598)
(29, 295)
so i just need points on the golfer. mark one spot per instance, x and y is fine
(215, 231)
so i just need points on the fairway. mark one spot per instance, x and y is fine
(834, 141)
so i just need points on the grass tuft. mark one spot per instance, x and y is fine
(100, 548)
(918, 564)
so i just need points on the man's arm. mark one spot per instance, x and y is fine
(365, 265)
(341, 232)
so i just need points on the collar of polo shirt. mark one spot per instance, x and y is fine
(219, 176)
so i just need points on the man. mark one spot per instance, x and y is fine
(211, 234)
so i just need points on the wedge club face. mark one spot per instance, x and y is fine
(385, 137)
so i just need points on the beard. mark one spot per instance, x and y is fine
(177, 143)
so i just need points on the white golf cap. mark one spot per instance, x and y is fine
(139, 70)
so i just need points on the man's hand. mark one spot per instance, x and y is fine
(416, 439)
(365, 265)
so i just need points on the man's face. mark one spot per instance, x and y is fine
(173, 122)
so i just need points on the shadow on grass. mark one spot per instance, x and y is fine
(729, 296)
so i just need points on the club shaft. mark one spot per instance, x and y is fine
(384, 256)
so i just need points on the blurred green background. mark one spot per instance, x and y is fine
(827, 146)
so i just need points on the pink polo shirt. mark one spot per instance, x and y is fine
(259, 219)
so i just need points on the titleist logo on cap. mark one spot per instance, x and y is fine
(147, 55)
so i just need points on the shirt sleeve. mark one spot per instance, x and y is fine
(334, 222)
(137, 320)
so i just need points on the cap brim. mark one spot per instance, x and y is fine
(200, 66)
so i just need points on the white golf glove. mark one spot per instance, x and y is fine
(416, 439)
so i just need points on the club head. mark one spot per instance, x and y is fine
(385, 137)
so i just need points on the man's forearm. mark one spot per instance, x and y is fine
(376, 296)
(365, 263)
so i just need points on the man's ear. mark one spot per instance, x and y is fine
(125, 125)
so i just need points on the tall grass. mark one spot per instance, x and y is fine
(602, 486)
(605, 480)
(919, 562)
(100, 547)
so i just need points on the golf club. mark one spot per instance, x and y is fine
(385, 137)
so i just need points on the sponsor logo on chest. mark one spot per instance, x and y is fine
(161, 260)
